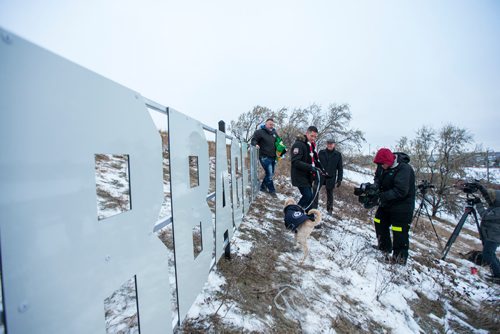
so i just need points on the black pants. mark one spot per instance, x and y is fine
(306, 199)
(329, 197)
(399, 222)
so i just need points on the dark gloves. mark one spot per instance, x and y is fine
(369, 201)
(319, 171)
(476, 200)
(338, 183)
(485, 194)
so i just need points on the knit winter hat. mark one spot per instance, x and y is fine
(384, 156)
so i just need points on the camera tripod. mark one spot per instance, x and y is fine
(468, 211)
(421, 207)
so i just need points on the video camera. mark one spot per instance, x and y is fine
(470, 187)
(368, 194)
(424, 185)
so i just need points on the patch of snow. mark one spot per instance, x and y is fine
(358, 177)
(482, 174)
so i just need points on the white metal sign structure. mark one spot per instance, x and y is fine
(254, 174)
(247, 192)
(189, 207)
(60, 259)
(59, 262)
(236, 182)
(223, 211)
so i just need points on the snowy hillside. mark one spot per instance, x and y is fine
(344, 286)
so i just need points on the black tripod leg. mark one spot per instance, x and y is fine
(417, 213)
(432, 224)
(478, 227)
(454, 235)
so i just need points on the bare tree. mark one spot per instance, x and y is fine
(424, 156)
(403, 145)
(451, 163)
(440, 158)
(247, 123)
(334, 122)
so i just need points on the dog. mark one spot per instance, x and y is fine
(302, 231)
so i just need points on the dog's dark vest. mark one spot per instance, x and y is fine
(295, 216)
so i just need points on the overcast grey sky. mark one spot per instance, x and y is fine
(399, 64)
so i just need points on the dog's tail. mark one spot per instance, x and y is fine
(317, 215)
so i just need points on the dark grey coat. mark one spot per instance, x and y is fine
(332, 163)
(490, 219)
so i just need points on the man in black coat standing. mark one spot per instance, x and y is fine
(305, 166)
(395, 179)
(264, 139)
(331, 160)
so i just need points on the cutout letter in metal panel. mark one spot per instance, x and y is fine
(244, 168)
(223, 213)
(189, 207)
(236, 183)
(59, 262)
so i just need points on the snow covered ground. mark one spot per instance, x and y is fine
(345, 285)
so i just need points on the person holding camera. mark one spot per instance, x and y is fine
(395, 180)
(305, 166)
(490, 229)
(331, 160)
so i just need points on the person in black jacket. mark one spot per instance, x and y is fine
(395, 179)
(264, 139)
(490, 229)
(331, 160)
(305, 166)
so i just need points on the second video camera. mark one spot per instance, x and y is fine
(424, 185)
(470, 187)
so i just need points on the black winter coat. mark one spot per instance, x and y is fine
(397, 185)
(265, 139)
(490, 219)
(332, 163)
(302, 169)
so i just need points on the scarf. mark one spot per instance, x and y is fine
(312, 149)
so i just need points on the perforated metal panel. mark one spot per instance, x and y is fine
(236, 183)
(189, 207)
(59, 262)
(247, 194)
(254, 174)
(223, 209)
